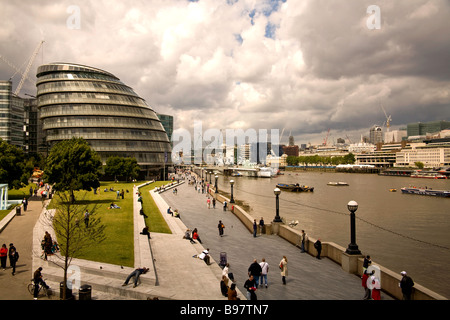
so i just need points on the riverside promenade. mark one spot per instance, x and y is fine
(308, 278)
(177, 274)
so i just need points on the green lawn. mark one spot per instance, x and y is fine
(118, 248)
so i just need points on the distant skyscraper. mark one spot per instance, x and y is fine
(376, 135)
(167, 122)
(11, 115)
(291, 141)
(421, 129)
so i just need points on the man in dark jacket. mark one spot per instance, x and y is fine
(406, 284)
(255, 270)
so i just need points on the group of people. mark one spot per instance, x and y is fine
(192, 237)
(48, 245)
(10, 253)
(372, 285)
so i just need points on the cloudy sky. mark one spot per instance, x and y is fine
(304, 66)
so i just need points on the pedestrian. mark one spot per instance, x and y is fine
(3, 256)
(48, 243)
(146, 232)
(364, 279)
(25, 204)
(283, 269)
(264, 270)
(224, 206)
(220, 226)
(232, 293)
(261, 225)
(208, 203)
(187, 236)
(37, 279)
(86, 218)
(169, 211)
(214, 203)
(255, 228)
(136, 274)
(255, 270)
(304, 238)
(406, 284)
(318, 246)
(13, 257)
(376, 289)
(251, 288)
(224, 286)
(367, 261)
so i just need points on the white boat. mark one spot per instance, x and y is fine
(265, 172)
(337, 183)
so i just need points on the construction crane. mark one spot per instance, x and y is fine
(27, 70)
(349, 139)
(388, 118)
(326, 138)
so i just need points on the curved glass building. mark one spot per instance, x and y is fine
(82, 101)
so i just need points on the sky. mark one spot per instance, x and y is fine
(304, 67)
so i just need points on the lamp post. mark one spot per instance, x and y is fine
(231, 183)
(217, 189)
(277, 192)
(352, 247)
(210, 174)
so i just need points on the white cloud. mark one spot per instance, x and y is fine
(210, 60)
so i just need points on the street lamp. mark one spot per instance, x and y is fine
(352, 247)
(217, 189)
(210, 174)
(277, 192)
(231, 183)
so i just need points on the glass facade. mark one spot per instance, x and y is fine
(11, 115)
(86, 102)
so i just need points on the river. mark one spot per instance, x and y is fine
(399, 231)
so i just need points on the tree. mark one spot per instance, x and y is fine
(122, 167)
(12, 166)
(72, 165)
(419, 164)
(72, 233)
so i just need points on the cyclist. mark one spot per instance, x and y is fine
(37, 278)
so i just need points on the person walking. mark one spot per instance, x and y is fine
(86, 218)
(220, 226)
(3, 256)
(255, 228)
(255, 270)
(264, 270)
(251, 288)
(303, 240)
(25, 204)
(318, 246)
(13, 257)
(136, 274)
(406, 284)
(283, 269)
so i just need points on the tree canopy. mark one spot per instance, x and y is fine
(13, 168)
(72, 165)
(122, 167)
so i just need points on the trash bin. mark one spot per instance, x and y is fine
(85, 292)
(69, 295)
(18, 210)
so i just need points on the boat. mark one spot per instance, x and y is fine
(393, 190)
(337, 183)
(427, 192)
(295, 187)
(428, 175)
(266, 172)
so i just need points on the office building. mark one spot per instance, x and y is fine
(93, 104)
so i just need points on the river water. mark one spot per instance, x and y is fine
(399, 231)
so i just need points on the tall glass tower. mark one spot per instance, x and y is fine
(86, 102)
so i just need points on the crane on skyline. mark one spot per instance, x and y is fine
(27, 69)
(388, 118)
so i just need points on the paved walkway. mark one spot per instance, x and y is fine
(308, 278)
(180, 276)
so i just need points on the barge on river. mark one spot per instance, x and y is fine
(427, 192)
(295, 187)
